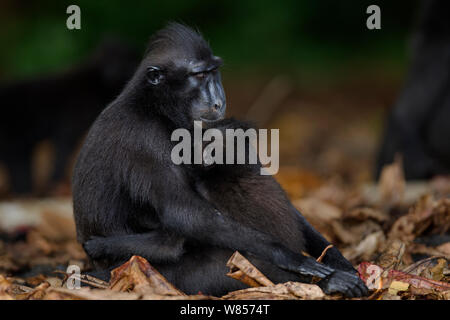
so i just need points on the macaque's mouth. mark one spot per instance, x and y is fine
(211, 120)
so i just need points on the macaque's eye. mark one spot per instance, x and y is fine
(154, 75)
(200, 75)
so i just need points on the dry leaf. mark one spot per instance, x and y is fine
(139, 276)
(37, 293)
(88, 294)
(391, 258)
(352, 234)
(444, 248)
(281, 291)
(56, 227)
(320, 214)
(397, 286)
(365, 213)
(366, 248)
(5, 288)
(241, 269)
(424, 214)
(392, 184)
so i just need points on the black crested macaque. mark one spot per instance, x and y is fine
(187, 220)
(418, 126)
(60, 108)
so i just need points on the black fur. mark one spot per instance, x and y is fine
(129, 197)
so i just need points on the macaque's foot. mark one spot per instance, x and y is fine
(343, 282)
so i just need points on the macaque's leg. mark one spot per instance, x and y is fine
(155, 246)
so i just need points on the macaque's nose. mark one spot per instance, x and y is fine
(215, 112)
(219, 106)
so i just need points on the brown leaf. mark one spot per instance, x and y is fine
(37, 293)
(392, 183)
(426, 214)
(366, 248)
(5, 288)
(88, 294)
(397, 286)
(437, 272)
(392, 255)
(444, 248)
(241, 269)
(139, 276)
(431, 268)
(351, 233)
(320, 214)
(281, 291)
(420, 266)
(56, 227)
(35, 239)
(422, 249)
(365, 213)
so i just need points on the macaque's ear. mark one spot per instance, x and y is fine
(154, 75)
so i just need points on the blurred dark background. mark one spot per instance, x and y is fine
(296, 36)
(310, 68)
